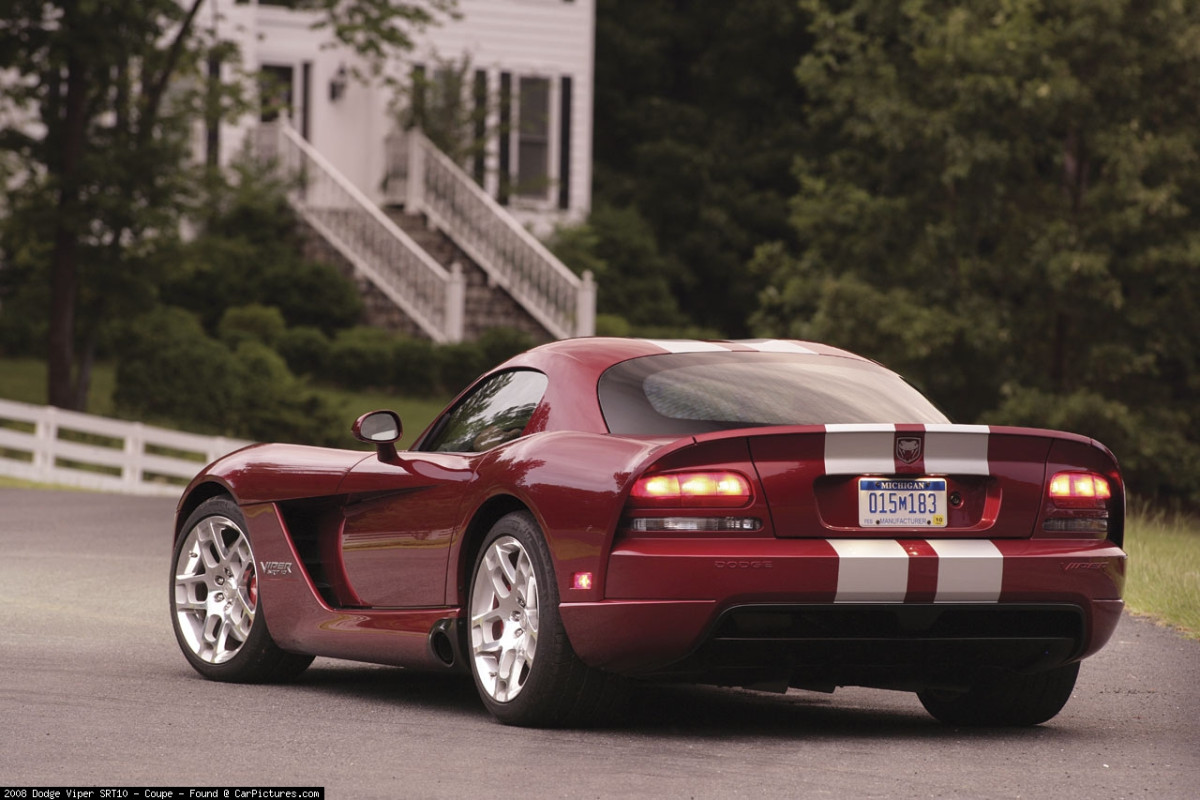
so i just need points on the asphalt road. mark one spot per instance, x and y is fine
(94, 692)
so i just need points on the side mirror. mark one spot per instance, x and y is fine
(382, 429)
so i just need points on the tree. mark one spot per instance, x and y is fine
(98, 155)
(698, 118)
(98, 91)
(620, 250)
(1000, 199)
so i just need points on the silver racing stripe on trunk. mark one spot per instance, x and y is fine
(957, 449)
(860, 449)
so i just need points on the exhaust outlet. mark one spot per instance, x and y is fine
(445, 643)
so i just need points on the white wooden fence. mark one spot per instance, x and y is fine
(50, 445)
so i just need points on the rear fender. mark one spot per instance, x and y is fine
(575, 485)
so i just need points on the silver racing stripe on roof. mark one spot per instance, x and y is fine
(776, 346)
(687, 346)
(757, 345)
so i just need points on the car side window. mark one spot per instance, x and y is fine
(496, 412)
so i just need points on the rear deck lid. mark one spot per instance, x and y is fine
(896, 480)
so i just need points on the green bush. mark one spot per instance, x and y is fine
(415, 367)
(612, 325)
(273, 405)
(371, 358)
(305, 349)
(253, 323)
(362, 358)
(500, 344)
(311, 293)
(169, 369)
(245, 384)
(458, 365)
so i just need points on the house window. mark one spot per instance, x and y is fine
(480, 113)
(505, 189)
(275, 91)
(564, 143)
(533, 138)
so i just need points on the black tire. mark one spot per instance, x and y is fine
(550, 686)
(1007, 700)
(215, 613)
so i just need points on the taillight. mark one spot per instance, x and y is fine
(1080, 490)
(1078, 505)
(691, 489)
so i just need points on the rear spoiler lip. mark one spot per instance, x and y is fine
(777, 430)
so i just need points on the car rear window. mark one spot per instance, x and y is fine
(688, 393)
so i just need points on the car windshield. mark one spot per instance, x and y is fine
(680, 394)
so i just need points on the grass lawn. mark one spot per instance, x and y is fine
(24, 380)
(1163, 580)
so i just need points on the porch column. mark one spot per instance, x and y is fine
(585, 306)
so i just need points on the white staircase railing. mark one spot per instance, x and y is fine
(563, 303)
(431, 296)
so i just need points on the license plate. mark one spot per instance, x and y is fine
(902, 502)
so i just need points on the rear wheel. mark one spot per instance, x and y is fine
(215, 603)
(522, 662)
(1011, 699)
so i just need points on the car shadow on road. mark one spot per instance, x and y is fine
(858, 714)
(440, 692)
(667, 711)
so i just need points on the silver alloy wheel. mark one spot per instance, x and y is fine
(504, 619)
(216, 589)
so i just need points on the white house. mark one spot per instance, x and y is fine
(452, 252)
(530, 67)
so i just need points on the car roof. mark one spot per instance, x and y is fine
(612, 350)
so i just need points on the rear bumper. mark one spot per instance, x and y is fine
(738, 611)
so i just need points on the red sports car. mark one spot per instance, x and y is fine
(766, 513)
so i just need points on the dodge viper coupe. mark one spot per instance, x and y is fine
(766, 514)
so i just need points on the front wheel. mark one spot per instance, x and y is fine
(215, 607)
(524, 667)
(1011, 699)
